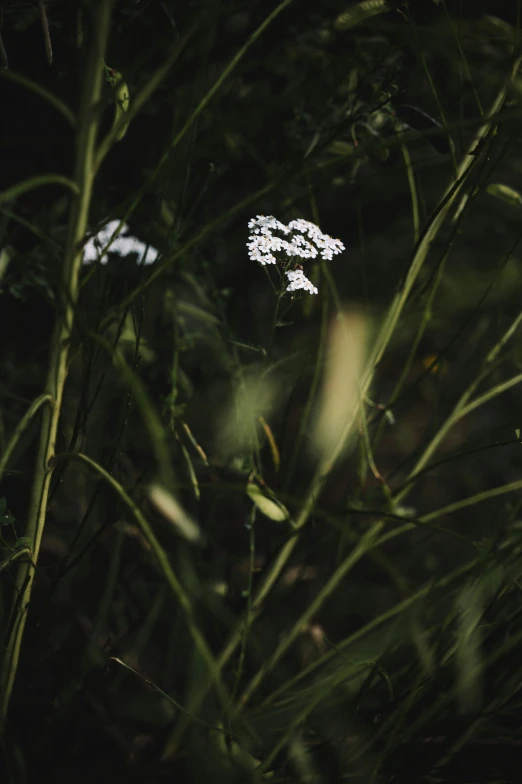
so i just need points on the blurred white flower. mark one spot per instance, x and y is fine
(263, 244)
(122, 245)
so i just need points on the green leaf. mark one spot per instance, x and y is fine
(360, 13)
(504, 193)
(341, 148)
(269, 507)
(121, 100)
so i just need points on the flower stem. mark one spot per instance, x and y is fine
(60, 343)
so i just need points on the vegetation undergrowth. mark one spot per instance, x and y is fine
(259, 429)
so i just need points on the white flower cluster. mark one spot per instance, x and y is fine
(262, 245)
(298, 280)
(121, 245)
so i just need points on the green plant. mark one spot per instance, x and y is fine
(282, 526)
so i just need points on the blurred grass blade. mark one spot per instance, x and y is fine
(238, 428)
(468, 649)
(3, 54)
(173, 511)
(5, 257)
(45, 29)
(273, 509)
(339, 147)
(504, 193)
(360, 13)
(346, 354)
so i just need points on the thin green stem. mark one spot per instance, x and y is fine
(36, 88)
(170, 699)
(217, 85)
(21, 427)
(342, 570)
(150, 416)
(164, 564)
(81, 187)
(139, 101)
(248, 617)
(464, 407)
(375, 623)
(14, 557)
(422, 58)
(37, 182)
(511, 487)
(413, 190)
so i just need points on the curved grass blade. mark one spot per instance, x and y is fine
(47, 96)
(360, 13)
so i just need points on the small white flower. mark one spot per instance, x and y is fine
(264, 223)
(301, 247)
(307, 241)
(328, 246)
(298, 280)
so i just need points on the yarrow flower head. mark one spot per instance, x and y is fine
(298, 280)
(305, 241)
